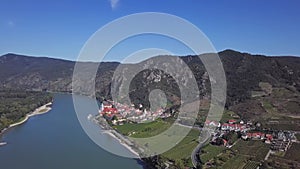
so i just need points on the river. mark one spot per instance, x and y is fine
(55, 140)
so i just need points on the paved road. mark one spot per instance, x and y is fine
(267, 156)
(204, 137)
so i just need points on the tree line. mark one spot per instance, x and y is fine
(15, 104)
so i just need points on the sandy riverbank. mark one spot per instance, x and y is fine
(110, 133)
(40, 110)
(107, 129)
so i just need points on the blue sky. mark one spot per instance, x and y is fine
(60, 28)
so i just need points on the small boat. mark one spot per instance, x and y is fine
(89, 117)
(3, 143)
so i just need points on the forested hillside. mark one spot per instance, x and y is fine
(244, 73)
(15, 104)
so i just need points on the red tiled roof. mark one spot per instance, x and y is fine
(106, 109)
(231, 121)
(269, 136)
(256, 134)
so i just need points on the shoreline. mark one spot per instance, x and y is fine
(107, 129)
(128, 147)
(38, 111)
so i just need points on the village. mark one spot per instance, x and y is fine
(224, 134)
(230, 134)
(118, 113)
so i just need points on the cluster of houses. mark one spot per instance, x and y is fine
(231, 125)
(223, 129)
(268, 138)
(119, 113)
(280, 141)
(283, 140)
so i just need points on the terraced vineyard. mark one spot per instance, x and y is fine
(243, 155)
(257, 150)
(251, 165)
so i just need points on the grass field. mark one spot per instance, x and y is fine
(183, 149)
(143, 130)
(210, 151)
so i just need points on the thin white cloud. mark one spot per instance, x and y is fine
(114, 4)
(11, 23)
